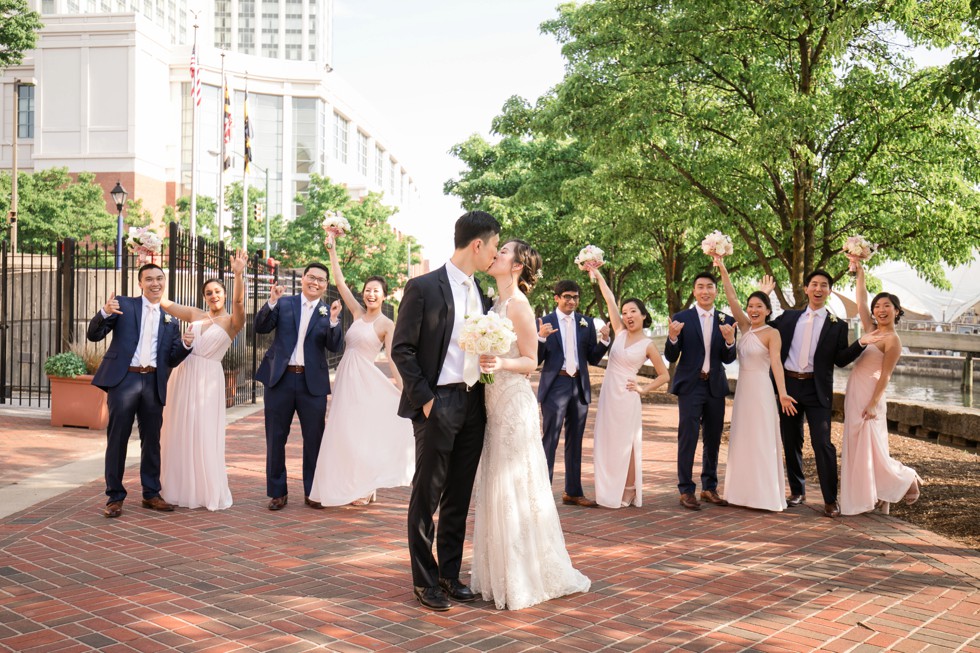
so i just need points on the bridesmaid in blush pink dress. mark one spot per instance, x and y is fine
(754, 476)
(618, 442)
(870, 477)
(192, 440)
(366, 445)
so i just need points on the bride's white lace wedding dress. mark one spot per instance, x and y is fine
(519, 556)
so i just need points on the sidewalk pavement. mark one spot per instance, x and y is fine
(247, 579)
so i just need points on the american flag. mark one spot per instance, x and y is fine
(195, 77)
(227, 133)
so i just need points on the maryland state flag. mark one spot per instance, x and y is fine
(247, 128)
(226, 139)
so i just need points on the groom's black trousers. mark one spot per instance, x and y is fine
(448, 445)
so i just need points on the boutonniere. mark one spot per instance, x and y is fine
(832, 318)
(323, 311)
(582, 322)
(167, 318)
(721, 318)
(491, 293)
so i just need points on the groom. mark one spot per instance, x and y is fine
(441, 397)
(814, 340)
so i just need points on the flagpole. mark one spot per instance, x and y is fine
(246, 127)
(195, 82)
(221, 161)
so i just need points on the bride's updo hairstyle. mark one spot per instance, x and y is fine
(531, 260)
(899, 311)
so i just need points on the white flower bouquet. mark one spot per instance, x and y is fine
(487, 334)
(144, 242)
(335, 223)
(589, 257)
(717, 244)
(857, 248)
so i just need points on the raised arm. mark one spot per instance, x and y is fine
(181, 312)
(861, 297)
(733, 302)
(238, 263)
(615, 318)
(350, 301)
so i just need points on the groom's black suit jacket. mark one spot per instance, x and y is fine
(421, 340)
(831, 349)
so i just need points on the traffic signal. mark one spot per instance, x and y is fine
(259, 212)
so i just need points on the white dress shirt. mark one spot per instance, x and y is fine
(793, 363)
(563, 320)
(154, 330)
(452, 368)
(306, 314)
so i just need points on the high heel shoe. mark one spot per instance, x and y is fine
(915, 490)
(882, 507)
(629, 497)
(371, 498)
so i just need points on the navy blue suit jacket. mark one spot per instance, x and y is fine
(832, 349)
(690, 349)
(284, 319)
(551, 352)
(125, 330)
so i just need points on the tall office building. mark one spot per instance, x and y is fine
(113, 98)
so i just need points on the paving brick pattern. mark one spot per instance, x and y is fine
(247, 579)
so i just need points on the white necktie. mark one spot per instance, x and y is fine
(804, 361)
(571, 356)
(146, 336)
(306, 312)
(471, 362)
(706, 332)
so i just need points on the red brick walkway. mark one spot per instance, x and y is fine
(247, 579)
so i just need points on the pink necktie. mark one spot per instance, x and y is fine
(706, 332)
(804, 361)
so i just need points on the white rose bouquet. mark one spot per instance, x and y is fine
(143, 242)
(589, 257)
(717, 244)
(335, 223)
(857, 248)
(487, 334)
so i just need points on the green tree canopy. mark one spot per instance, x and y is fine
(18, 31)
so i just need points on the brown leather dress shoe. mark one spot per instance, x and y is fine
(279, 502)
(831, 510)
(157, 503)
(113, 509)
(689, 502)
(795, 500)
(307, 501)
(712, 496)
(582, 501)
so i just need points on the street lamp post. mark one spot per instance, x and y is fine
(119, 197)
(12, 216)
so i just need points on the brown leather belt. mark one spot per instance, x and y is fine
(564, 373)
(295, 369)
(704, 376)
(802, 376)
(143, 370)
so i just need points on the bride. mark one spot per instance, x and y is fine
(519, 556)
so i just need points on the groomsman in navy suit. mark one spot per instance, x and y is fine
(296, 377)
(146, 346)
(704, 340)
(567, 345)
(814, 340)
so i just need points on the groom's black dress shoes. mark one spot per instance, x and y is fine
(113, 509)
(433, 598)
(157, 503)
(795, 500)
(456, 590)
(582, 501)
(279, 502)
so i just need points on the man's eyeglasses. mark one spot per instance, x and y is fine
(322, 281)
(569, 298)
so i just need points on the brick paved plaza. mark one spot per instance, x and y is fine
(248, 579)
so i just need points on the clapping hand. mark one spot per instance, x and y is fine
(238, 262)
(544, 329)
(675, 329)
(275, 293)
(787, 404)
(112, 306)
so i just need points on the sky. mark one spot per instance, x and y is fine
(435, 72)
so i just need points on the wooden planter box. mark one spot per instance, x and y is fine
(76, 402)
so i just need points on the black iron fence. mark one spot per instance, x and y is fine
(48, 296)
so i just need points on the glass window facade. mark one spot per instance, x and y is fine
(379, 167)
(304, 135)
(362, 153)
(25, 111)
(341, 132)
